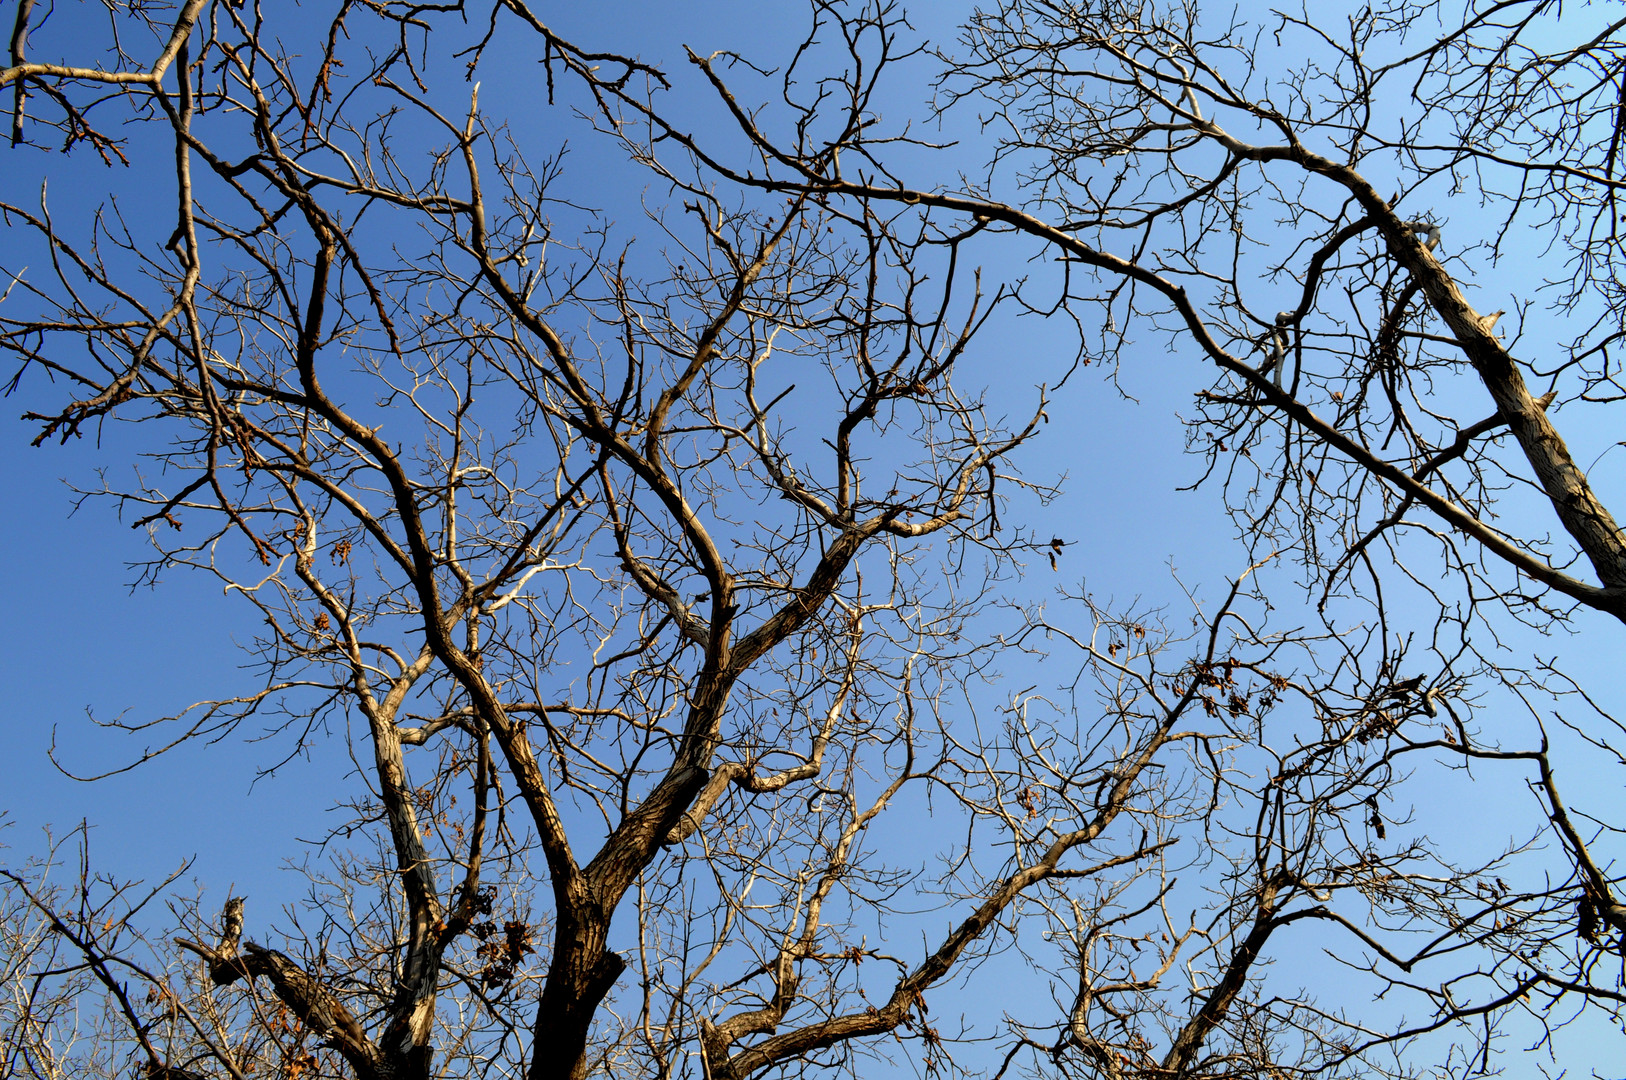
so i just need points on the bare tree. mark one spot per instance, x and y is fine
(653, 594)
(1220, 185)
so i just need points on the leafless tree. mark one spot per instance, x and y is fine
(659, 598)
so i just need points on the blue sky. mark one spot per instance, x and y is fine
(95, 642)
(85, 641)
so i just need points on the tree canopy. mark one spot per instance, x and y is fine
(655, 484)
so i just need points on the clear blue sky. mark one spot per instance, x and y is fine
(90, 641)
(81, 638)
